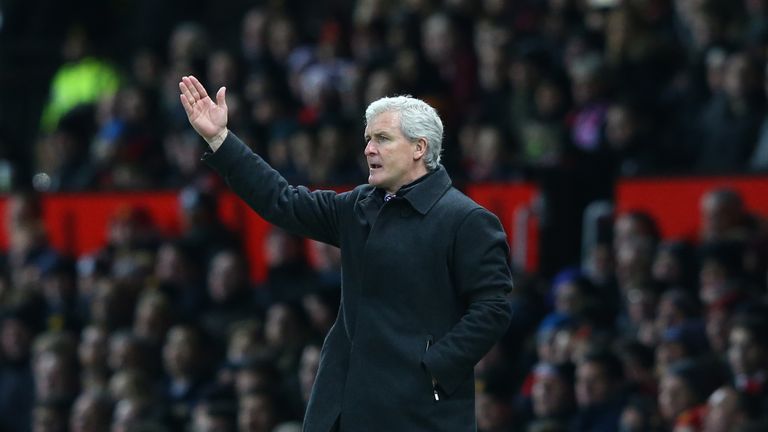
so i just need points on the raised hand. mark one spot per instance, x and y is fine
(209, 119)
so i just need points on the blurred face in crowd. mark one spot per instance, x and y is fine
(128, 412)
(282, 327)
(641, 304)
(745, 356)
(129, 383)
(15, 338)
(169, 264)
(152, 318)
(125, 352)
(551, 395)
(308, 365)
(593, 386)
(225, 277)
(718, 328)
(243, 343)
(493, 414)
(93, 348)
(281, 38)
(320, 314)
(740, 78)
(674, 397)
(634, 259)
(488, 146)
(54, 378)
(566, 345)
(181, 352)
(619, 127)
(393, 159)
(719, 214)
(256, 413)
(628, 227)
(90, 414)
(713, 281)
(249, 379)
(568, 297)
(107, 306)
(723, 412)
(667, 266)
(203, 420)
(48, 419)
(668, 353)
(668, 315)
(437, 38)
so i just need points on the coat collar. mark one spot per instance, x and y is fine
(424, 194)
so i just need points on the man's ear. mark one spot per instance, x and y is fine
(420, 149)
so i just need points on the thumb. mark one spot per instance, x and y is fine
(221, 97)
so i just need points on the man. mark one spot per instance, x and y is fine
(425, 270)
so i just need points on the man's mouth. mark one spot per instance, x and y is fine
(374, 166)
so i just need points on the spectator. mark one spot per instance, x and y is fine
(18, 325)
(257, 412)
(49, 417)
(599, 392)
(230, 296)
(93, 352)
(729, 124)
(684, 388)
(552, 394)
(748, 355)
(726, 410)
(183, 365)
(92, 412)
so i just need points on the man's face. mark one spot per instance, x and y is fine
(393, 160)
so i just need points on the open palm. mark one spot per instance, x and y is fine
(207, 117)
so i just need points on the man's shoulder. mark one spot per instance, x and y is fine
(456, 200)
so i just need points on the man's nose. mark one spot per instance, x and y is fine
(370, 148)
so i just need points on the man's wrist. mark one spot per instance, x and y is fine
(215, 142)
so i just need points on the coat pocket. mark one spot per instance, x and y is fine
(432, 382)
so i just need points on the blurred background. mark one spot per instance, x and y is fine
(622, 143)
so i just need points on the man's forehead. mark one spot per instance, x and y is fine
(385, 121)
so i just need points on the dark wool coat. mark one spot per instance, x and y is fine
(423, 294)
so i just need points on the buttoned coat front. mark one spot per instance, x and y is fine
(423, 294)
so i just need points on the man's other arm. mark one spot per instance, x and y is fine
(482, 275)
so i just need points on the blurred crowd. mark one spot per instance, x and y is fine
(527, 89)
(159, 333)
(151, 333)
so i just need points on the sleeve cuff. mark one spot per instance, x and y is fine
(228, 153)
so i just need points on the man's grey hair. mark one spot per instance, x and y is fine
(417, 120)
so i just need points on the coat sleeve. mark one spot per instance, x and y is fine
(295, 209)
(482, 275)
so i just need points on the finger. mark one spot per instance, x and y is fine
(221, 97)
(198, 87)
(185, 90)
(185, 103)
(192, 90)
